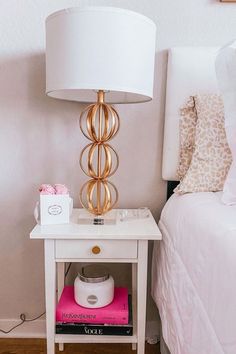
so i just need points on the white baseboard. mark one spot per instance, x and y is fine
(34, 329)
(37, 329)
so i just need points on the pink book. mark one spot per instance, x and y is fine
(115, 313)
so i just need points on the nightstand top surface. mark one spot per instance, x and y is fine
(135, 229)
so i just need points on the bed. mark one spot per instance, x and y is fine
(194, 267)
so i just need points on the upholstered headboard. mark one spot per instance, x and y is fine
(190, 70)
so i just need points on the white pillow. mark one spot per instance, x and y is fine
(226, 75)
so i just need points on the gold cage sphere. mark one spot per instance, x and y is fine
(99, 123)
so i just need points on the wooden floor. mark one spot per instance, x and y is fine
(38, 346)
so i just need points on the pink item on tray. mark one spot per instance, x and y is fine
(115, 313)
(46, 189)
(61, 189)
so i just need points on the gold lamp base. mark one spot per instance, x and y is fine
(99, 123)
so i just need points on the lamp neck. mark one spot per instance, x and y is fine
(100, 96)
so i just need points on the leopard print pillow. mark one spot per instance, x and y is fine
(187, 130)
(211, 158)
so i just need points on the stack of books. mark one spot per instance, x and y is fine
(113, 319)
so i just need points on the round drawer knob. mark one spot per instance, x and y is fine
(96, 250)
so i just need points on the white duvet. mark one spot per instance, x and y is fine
(194, 274)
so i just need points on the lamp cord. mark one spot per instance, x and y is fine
(23, 318)
(68, 269)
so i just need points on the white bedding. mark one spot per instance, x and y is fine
(194, 274)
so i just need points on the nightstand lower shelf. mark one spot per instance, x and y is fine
(74, 338)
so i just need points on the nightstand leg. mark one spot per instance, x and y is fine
(50, 291)
(134, 301)
(60, 286)
(142, 294)
(61, 347)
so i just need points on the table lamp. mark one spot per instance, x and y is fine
(102, 54)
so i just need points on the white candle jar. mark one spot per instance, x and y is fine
(94, 287)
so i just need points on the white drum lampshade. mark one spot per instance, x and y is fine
(106, 50)
(96, 48)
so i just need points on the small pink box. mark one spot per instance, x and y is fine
(115, 313)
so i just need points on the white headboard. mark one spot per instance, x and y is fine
(190, 70)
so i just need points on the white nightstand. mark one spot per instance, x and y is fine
(125, 242)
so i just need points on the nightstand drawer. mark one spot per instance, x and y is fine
(96, 249)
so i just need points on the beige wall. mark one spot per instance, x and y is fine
(40, 139)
